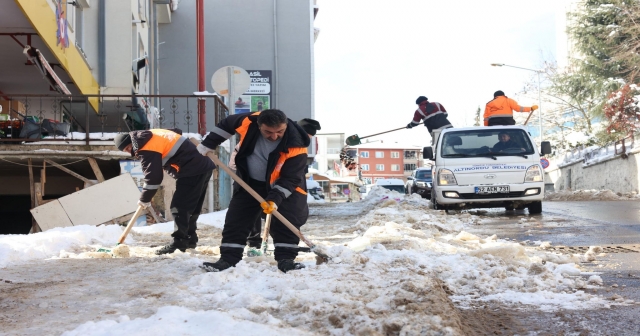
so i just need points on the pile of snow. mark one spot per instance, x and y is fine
(589, 195)
(392, 259)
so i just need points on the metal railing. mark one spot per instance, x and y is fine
(75, 117)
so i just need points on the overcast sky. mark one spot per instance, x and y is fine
(374, 58)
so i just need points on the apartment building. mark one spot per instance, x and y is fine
(381, 160)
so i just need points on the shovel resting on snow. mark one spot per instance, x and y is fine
(321, 255)
(355, 139)
(124, 234)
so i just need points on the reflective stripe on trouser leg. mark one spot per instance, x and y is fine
(242, 214)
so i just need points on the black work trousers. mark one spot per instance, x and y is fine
(186, 206)
(255, 235)
(500, 121)
(243, 213)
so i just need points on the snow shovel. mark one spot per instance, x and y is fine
(321, 256)
(355, 139)
(126, 230)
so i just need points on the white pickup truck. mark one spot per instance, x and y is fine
(487, 167)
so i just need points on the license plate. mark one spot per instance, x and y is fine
(492, 190)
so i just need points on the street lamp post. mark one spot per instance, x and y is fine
(539, 90)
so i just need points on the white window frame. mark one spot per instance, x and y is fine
(379, 155)
(395, 155)
(364, 167)
(379, 165)
(364, 154)
(395, 167)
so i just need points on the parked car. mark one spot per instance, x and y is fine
(478, 167)
(391, 184)
(420, 182)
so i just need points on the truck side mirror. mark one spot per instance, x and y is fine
(427, 153)
(546, 148)
(409, 178)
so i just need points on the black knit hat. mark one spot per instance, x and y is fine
(309, 125)
(122, 140)
(421, 99)
(498, 93)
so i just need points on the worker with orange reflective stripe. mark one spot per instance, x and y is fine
(499, 111)
(168, 150)
(271, 159)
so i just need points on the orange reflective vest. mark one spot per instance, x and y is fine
(166, 143)
(501, 107)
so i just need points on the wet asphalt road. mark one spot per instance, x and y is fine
(582, 224)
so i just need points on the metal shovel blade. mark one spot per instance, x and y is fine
(353, 140)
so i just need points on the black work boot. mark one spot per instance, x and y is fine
(169, 249)
(286, 265)
(192, 245)
(217, 266)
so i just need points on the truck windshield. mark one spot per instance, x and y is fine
(480, 142)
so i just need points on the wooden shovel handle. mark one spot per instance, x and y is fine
(130, 225)
(530, 114)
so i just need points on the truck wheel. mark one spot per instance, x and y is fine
(535, 208)
(434, 203)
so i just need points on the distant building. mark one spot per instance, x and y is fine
(380, 160)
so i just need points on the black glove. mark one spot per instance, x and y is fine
(410, 125)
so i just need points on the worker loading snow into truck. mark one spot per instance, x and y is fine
(499, 111)
(434, 116)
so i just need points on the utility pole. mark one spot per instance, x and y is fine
(202, 120)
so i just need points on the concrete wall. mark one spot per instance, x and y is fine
(241, 33)
(617, 175)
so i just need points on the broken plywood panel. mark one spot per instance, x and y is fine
(102, 202)
(51, 215)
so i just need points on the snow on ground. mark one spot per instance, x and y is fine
(396, 267)
(590, 195)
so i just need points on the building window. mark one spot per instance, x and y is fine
(366, 180)
(395, 155)
(364, 154)
(379, 155)
(364, 167)
(379, 167)
(410, 155)
(395, 167)
(409, 166)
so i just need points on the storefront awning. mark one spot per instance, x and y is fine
(35, 56)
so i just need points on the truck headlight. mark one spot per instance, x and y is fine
(534, 174)
(446, 177)
(421, 184)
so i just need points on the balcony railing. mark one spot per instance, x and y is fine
(57, 117)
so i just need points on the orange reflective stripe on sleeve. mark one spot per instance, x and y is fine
(283, 157)
(176, 167)
(300, 190)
